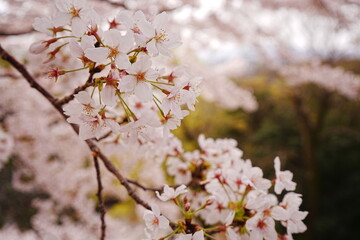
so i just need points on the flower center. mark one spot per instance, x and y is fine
(75, 12)
(140, 76)
(261, 224)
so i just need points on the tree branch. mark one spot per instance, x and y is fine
(70, 97)
(109, 166)
(143, 187)
(99, 196)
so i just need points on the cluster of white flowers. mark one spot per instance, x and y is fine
(139, 102)
(229, 195)
(330, 78)
(135, 98)
(50, 159)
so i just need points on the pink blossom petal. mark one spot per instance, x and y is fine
(128, 83)
(143, 91)
(97, 54)
(146, 28)
(122, 61)
(78, 27)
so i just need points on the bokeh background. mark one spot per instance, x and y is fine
(282, 77)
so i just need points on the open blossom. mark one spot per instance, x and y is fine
(129, 21)
(47, 25)
(254, 177)
(171, 122)
(161, 40)
(78, 49)
(137, 79)
(179, 170)
(89, 116)
(154, 220)
(77, 13)
(116, 47)
(196, 236)
(261, 227)
(283, 178)
(108, 93)
(169, 192)
(172, 103)
(294, 223)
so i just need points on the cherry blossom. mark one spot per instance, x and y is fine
(90, 117)
(140, 73)
(154, 220)
(130, 105)
(196, 236)
(170, 193)
(116, 48)
(261, 228)
(291, 204)
(160, 40)
(283, 178)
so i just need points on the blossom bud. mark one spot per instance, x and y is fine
(187, 206)
(186, 200)
(99, 68)
(210, 201)
(55, 73)
(132, 59)
(38, 47)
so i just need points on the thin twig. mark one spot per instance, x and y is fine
(91, 75)
(109, 166)
(143, 187)
(99, 196)
(70, 97)
(106, 135)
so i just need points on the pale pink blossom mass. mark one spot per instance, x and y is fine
(127, 105)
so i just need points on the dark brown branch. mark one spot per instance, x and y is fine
(143, 187)
(90, 78)
(99, 196)
(70, 97)
(109, 166)
(104, 137)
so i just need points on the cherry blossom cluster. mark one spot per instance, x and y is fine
(218, 194)
(325, 76)
(226, 194)
(131, 96)
(49, 158)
